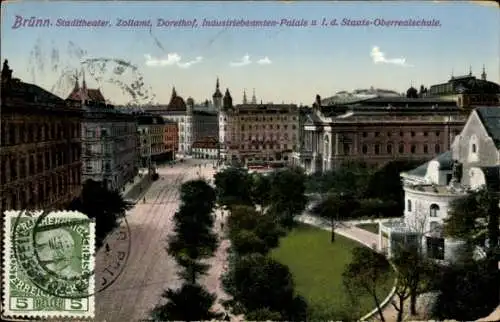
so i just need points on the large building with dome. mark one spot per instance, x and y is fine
(471, 163)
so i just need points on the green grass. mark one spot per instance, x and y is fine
(317, 266)
(371, 227)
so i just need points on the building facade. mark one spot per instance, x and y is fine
(468, 91)
(378, 130)
(40, 153)
(109, 140)
(194, 121)
(257, 132)
(152, 130)
(170, 139)
(206, 148)
(472, 162)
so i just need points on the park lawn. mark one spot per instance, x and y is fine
(371, 227)
(317, 266)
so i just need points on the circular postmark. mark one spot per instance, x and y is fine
(56, 252)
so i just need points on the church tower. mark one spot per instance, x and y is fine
(254, 99)
(483, 74)
(217, 97)
(245, 97)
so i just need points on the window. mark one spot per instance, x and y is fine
(408, 205)
(365, 134)
(474, 148)
(434, 210)
(347, 149)
(426, 134)
(426, 148)
(401, 148)
(435, 247)
(365, 149)
(413, 149)
(401, 133)
(437, 148)
(389, 133)
(389, 148)
(412, 133)
(377, 134)
(438, 133)
(377, 149)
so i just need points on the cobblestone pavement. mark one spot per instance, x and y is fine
(149, 270)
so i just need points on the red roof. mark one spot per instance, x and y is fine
(87, 95)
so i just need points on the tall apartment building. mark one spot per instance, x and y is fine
(109, 140)
(40, 155)
(170, 139)
(257, 132)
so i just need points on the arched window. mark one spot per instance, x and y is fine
(408, 205)
(389, 148)
(401, 148)
(377, 149)
(434, 210)
(365, 149)
(413, 149)
(474, 148)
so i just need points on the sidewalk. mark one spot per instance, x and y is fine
(135, 190)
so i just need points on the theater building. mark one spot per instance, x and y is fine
(40, 155)
(378, 130)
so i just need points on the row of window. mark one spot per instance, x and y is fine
(433, 209)
(22, 167)
(264, 118)
(263, 127)
(36, 195)
(264, 147)
(401, 134)
(389, 149)
(13, 134)
(377, 149)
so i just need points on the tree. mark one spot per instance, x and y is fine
(251, 231)
(334, 208)
(190, 303)
(106, 206)
(385, 183)
(263, 314)
(415, 273)
(288, 195)
(193, 237)
(256, 281)
(467, 291)
(261, 185)
(474, 218)
(233, 187)
(366, 272)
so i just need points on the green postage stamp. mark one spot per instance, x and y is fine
(48, 265)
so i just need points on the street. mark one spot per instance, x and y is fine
(149, 270)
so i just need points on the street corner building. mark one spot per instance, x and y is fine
(256, 132)
(40, 155)
(108, 138)
(158, 139)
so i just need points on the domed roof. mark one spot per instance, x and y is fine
(190, 101)
(412, 92)
(176, 102)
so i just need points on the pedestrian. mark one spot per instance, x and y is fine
(221, 226)
(144, 200)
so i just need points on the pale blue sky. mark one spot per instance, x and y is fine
(304, 60)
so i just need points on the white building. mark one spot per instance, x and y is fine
(206, 148)
(472, 162)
